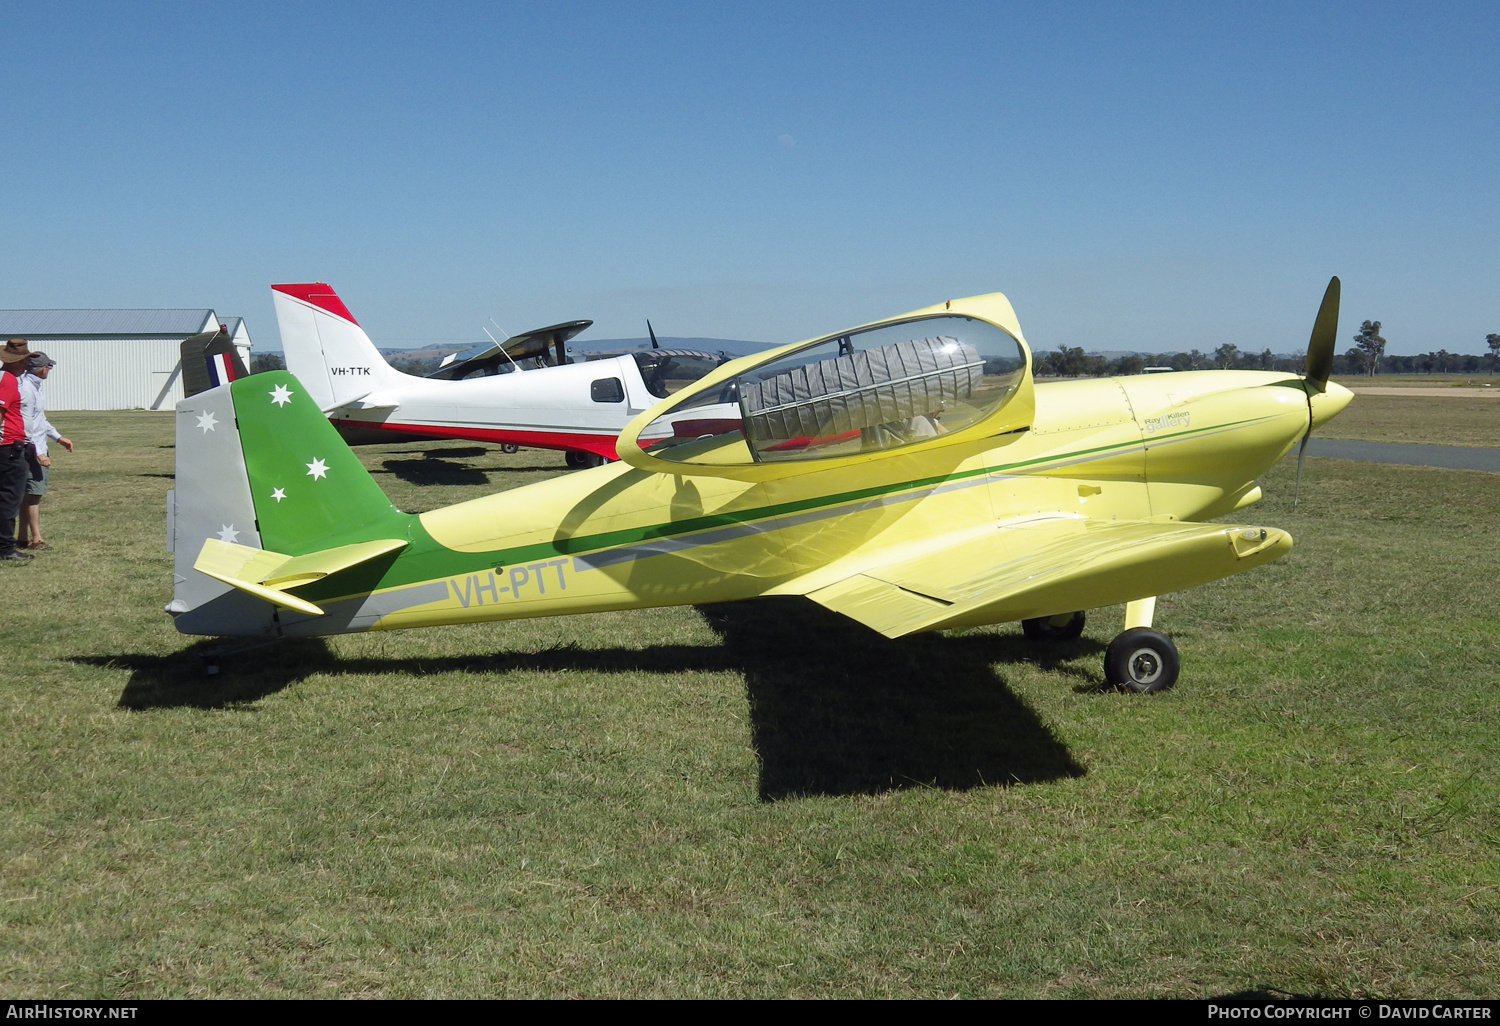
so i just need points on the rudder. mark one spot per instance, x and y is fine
(260, 467)
(325, 347)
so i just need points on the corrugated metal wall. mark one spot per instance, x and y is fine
(112, 374)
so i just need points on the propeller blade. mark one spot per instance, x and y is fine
(1324, 338)
(1301, 454)
(655, 345)
(1319, 365)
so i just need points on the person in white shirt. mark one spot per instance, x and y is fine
(39, 431)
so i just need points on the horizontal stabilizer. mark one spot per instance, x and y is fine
(268, 575)
(1043, 567)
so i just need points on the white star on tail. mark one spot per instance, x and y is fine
(281, 395)
(317, 469)
(278, 494)
(207, 421)
(227, 533)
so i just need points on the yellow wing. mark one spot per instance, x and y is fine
(1041, 566)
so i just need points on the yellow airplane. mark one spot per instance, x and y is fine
(906, 473)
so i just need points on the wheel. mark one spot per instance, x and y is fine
(579, 460)
(1141, 660)
(509, 449)
(1046, 628)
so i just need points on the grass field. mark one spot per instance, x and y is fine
(1430, 420)
(759, 799)
(1421, 380)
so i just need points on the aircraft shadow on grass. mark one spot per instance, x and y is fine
(435, 470)
(835, 709)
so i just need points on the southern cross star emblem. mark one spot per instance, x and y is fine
(280, 395)
(227, 533)
(317, 469)
(278, 494)
(206, 421)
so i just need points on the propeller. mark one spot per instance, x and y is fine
(655, 345)
(1319, 365)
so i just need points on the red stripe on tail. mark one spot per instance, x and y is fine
(320, 295)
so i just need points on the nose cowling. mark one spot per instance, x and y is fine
(1329, 403)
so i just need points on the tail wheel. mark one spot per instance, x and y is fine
(1142, 660)
(1065, 627)
(509, 449)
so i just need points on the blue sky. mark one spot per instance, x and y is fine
(1134, 176)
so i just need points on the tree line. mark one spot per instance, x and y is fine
(1366, 356)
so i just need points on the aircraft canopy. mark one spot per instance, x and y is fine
(865, 391)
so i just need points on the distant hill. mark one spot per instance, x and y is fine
(427, 358)
(734, 347)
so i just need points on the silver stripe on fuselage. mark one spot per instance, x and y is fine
(666, 546)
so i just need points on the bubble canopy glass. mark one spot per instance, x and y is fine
(866, 391)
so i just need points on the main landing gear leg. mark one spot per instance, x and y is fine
(1141, 659)
(1140, 612)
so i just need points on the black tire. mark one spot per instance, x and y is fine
(1043, 629)
(1142, 660)
(509, 449)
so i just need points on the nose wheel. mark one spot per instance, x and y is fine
(1141, 660)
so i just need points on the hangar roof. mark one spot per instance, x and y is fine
(108, 323)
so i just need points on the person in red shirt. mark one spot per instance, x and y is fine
(14, 469)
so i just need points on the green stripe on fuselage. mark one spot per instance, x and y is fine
(427, 560)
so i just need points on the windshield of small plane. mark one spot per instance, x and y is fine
(668, 371)
(869, 391)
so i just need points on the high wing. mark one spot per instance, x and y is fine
(1039, 566)
(527, 345)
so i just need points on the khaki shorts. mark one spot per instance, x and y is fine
(36, 483)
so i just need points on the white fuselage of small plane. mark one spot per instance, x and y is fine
(579, 408)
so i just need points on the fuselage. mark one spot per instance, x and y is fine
(579, 407)
(1181, 446)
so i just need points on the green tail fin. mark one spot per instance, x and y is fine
(310, 491)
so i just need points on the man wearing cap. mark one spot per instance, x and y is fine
(14, 470)
(38, 431)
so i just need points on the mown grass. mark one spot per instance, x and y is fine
(1420, 380)
(759, 799)
(1429, 420)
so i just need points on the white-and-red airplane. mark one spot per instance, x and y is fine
(579, 408)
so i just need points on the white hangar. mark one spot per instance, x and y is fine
(115, 359)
